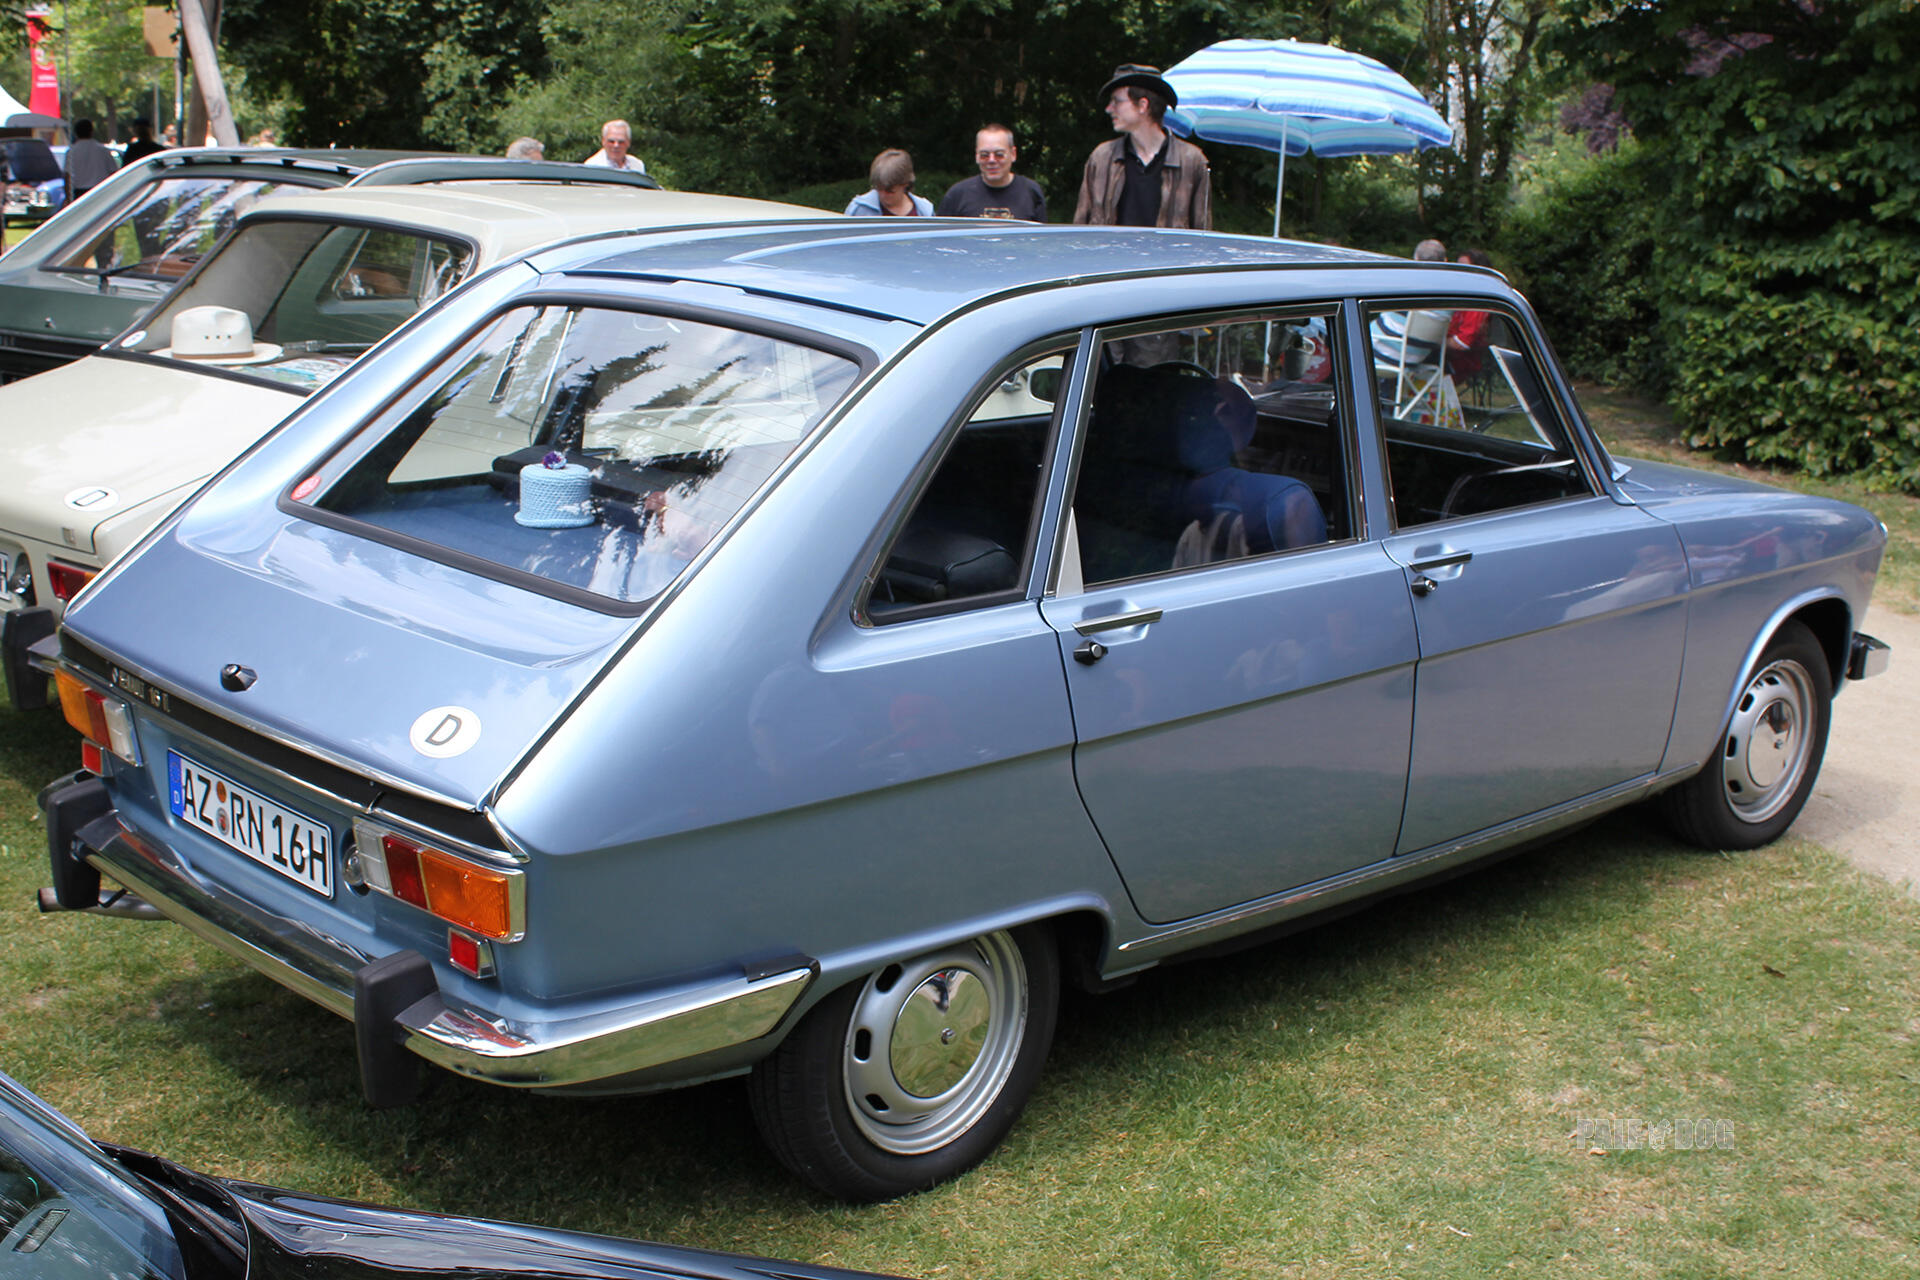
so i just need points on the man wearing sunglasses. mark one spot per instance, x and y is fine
(998, 192)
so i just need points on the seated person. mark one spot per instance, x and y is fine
(1278, 511)
(1467, 332)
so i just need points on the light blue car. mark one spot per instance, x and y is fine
(798, 651)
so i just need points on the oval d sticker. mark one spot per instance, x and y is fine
(444, 732)
(92, 497)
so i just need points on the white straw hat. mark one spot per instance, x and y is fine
(216, 335)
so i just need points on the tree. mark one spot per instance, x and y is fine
(1485, 54)
(800, 92)
(388, 73)
(105, 68)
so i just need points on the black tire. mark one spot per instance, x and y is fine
(1770, 751)
(831, 1101)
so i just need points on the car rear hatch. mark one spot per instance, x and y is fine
(413, 674)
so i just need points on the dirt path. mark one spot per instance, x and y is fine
(1866, 805)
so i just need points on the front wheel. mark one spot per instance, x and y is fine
(915, 1074)
(1755, 785)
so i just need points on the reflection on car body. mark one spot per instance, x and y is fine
(935, 614)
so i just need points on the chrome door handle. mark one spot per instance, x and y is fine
(1115, 621)
(1442, 562)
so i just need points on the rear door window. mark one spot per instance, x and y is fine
(1214, 442)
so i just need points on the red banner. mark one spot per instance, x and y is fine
(44, 95)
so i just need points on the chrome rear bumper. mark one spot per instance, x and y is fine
(655, 1030)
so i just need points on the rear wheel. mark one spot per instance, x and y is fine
(915, 1074)
(1753, 788)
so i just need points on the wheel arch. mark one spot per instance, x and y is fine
(1831, 622)
(1826, 615)
(1081, 926)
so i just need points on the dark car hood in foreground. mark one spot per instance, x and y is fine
(315, 1238)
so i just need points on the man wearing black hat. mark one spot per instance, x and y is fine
(1146, 177)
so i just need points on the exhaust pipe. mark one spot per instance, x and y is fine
(121, 903)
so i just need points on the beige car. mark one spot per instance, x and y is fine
(99, 451)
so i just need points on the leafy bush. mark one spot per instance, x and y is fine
(1582, 249)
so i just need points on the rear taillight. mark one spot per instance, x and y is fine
(482, 899)
(106, 723)
(67, 579)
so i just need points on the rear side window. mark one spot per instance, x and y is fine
(593, 450)
(168, 228)
(970, 536)
(317, 294)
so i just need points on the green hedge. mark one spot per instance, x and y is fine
(1803, 354)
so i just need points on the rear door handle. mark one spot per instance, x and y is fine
(1441, 562)
(1116, 621)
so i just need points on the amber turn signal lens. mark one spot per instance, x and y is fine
(78, 704)
(467, 895)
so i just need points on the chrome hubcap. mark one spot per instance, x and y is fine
(1769, 742)
(932, 1042)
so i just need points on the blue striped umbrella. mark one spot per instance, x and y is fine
(1293, 98)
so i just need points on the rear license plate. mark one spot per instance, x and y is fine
(241, 818)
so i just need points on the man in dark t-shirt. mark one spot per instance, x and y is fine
(142, 145)
(997, 192)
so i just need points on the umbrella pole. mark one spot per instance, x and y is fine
(1280, 179)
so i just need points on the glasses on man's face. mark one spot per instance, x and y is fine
(990, 155)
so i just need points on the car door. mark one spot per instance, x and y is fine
(1239, 657)
(1550, 616)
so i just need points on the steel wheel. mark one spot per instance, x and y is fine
(1769, 751)
(913, 1074)
(932, 1042)
(1769, 741)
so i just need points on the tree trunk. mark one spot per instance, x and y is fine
(209, 109)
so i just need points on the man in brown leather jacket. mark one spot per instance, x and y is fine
(1146, 177)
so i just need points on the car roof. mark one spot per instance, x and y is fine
(501, 218)
(929, 270)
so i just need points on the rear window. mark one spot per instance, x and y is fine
(587, 449)
(317, 295)
(169, 226)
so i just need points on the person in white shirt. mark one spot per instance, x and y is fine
(88, 163)
(616, 141)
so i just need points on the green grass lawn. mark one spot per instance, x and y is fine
(1400, 1094)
